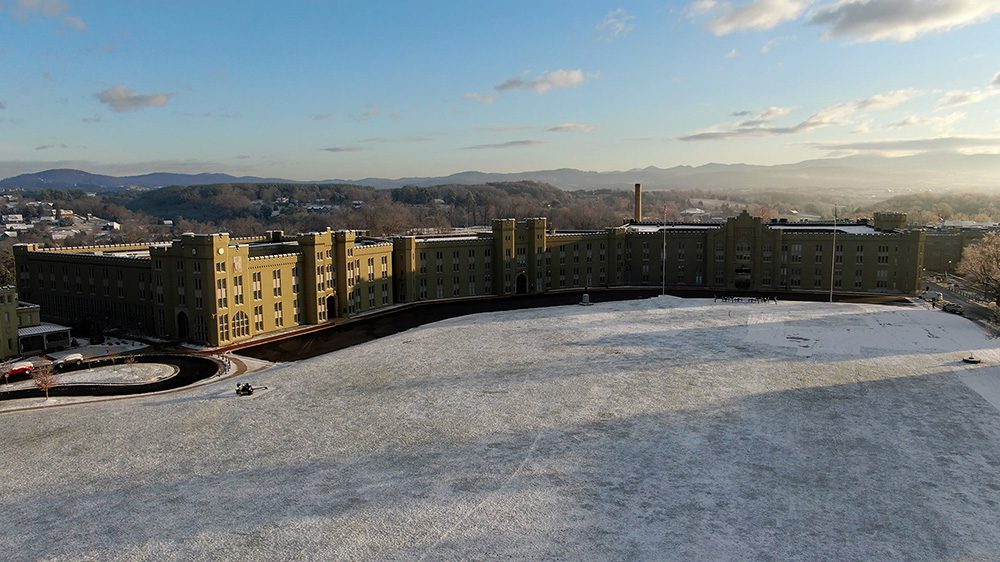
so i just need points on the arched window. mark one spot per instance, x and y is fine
(241, 325)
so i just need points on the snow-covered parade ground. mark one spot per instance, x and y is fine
(652, 429)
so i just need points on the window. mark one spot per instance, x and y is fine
(276, 282)
(238, 290)
(279, 319)
(258, 292)
(241, 325)
(223, 298)
(223, 327)
(258, 318)
(766, 252)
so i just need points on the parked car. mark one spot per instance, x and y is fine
(21, 367)
(73, 359)
(953, 308)
(931, 295)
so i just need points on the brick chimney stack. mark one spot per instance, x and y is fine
(638, 202)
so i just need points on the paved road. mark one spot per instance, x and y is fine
(973, 309)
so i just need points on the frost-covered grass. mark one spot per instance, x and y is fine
(644, 429)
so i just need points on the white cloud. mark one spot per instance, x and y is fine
(837, 114)
(732, 54)
(76, 22)
(899, 20)
(121, 98)
(862, 128)
(700, 7)
(24, 9)
(758, 15)
(543, 84)
(508, 144)
(996, 80)
(572, 128)
(942, 124)
(485, 99)
(957, 98)
(618, 23)
(337, 149)
(887, 100)
(370, 112)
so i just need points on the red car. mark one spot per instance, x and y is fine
(21, 367)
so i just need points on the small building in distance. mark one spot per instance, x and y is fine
(22, 331)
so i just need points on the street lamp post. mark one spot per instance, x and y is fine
(833, 253)
(663, 256)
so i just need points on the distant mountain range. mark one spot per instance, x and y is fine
(927, 171)
(78, 179)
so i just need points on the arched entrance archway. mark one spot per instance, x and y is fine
(331, 307)
(522, 284)
(183, 326)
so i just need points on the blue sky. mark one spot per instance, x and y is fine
(352, 89)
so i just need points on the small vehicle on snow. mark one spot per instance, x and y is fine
(931, 295)
(21, 367)
(73, 359)
(953, 308)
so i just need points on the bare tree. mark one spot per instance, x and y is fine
(5, 367)
(44, 378)
(981, 265)
(130, 363)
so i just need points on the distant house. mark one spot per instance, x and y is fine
(357, 204)
(167, 222)
(694, 214)
(13, 218)
(111, 226)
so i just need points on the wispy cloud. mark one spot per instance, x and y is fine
(3, 104)
(370, 112)
(913, 145)
(508, 144)
(22, 10)
(544, 83)
(48, 146)
(758, 15)
(839, 114)
(323, 116)
(485, 99)
(571, 128)
(617, 24)
(412, 138)
(732, 54)
(121, 98)
(342, 149)
(74, 22)
(94, 119)
(556, 79)
(956, 98)
(699, 7)
(940, 124)
(502, 128)
(899, 20)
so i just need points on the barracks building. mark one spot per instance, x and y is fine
(218, 290)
